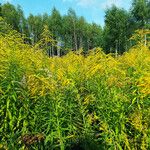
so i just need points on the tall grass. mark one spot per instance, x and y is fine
(73, 102)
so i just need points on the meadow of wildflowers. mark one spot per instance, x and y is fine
(73, 102)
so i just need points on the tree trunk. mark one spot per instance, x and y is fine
(116, 50)
(81, 42)
(110, 50)
(58, 51)
(88, 44)
(75, 37)
(52, 51)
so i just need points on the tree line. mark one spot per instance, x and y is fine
(71, 32)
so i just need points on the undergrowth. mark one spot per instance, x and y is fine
(73, 102)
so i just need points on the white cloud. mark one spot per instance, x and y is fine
(109, 3)
(86, 3)
(82, 3)
(5, 1)
(101, 4)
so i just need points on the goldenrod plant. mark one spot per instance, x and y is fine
(87, 102)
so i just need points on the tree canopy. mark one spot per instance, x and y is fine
(74, 32)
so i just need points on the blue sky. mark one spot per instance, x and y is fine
(92, 10)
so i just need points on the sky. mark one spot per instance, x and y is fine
(92, 10)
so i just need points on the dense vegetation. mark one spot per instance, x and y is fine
(73, 32)
(74, 101)
(88, 99)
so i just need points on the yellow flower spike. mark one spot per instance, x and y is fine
(89, 99)
(144, 85)
(95, 116)
(90, 119)
(136, 120)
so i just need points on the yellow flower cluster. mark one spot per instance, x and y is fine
(93, 90)
(43, 73)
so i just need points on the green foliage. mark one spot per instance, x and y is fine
(5, 28)
(141, 12)
(73, 102)
(116, 29)
(35, 27)
(75, 32)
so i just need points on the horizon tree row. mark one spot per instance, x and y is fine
(71, 32)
